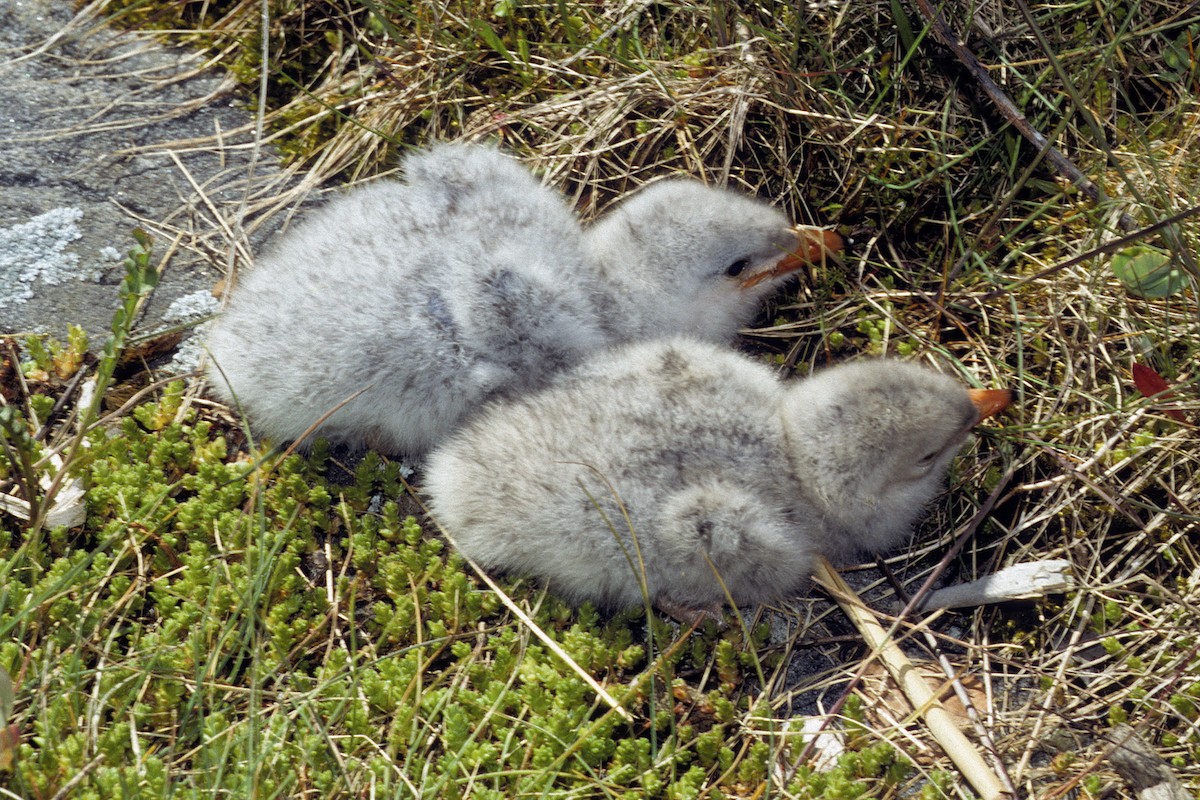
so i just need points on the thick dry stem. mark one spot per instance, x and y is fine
(943, 727)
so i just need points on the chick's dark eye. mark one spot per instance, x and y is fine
(737, 267)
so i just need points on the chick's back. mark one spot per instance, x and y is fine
(676, 444)
(405, 289)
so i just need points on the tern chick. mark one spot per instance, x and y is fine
(394, 312)
(683, 474)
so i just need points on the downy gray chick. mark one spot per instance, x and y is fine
(678, 462)
(470, 280)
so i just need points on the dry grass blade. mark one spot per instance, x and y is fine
(542, 636)
(964, 755)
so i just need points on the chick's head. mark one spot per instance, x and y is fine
(871, 441)
(698, 260)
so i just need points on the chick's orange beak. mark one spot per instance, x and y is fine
(813, 246)
(990, 401)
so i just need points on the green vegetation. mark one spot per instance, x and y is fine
(224, 620)
(223, 624)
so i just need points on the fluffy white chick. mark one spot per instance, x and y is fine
(468, 281)
(676, 471)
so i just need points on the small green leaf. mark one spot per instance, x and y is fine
(1148, 272)
(493, 41)
(1175, 55)
(10, 738)
(6, 696)
(903, 28)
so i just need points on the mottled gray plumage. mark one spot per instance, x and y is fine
(712, 459)
(469, 280)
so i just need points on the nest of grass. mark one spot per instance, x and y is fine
(965, 249)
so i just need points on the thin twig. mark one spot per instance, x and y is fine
(1004, 104)
(1107, 247)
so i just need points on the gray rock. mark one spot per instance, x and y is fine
(102, 132)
